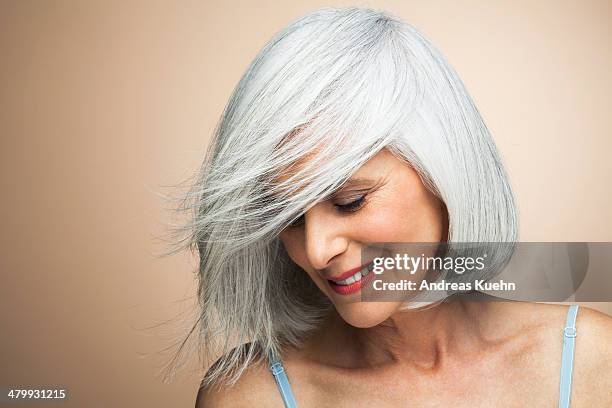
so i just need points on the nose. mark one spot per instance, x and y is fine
(324, 235)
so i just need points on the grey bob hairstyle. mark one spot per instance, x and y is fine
(329, 92)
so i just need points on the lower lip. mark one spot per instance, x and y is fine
(353, 287)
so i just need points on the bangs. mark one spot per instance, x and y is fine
(326, 94)
(324, 117)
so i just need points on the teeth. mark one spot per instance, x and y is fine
(356, 277)
(350, 280)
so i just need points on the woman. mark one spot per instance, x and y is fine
(349, 128)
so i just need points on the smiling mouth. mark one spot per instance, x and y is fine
(354, 282)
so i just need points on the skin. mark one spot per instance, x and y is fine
(329, 239)
(462, 353)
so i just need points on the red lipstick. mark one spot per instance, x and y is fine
(353, 287)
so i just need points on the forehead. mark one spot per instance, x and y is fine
(380, 165)
(292, 169)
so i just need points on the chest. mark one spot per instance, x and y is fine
(479, 384)
(484, 392)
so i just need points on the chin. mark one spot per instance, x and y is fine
(367, 314)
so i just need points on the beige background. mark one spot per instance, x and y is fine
(102, 102)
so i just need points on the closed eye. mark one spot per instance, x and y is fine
(347, 207)
(351, 206)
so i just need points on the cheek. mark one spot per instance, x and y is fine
(293, 241)
(293, 245)
(413, 218)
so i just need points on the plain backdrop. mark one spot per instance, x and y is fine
(104, 102)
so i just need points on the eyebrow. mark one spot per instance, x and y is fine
(352, 182)
(364, 183)
(355, 182)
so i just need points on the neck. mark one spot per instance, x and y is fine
(425, 338)
(422, 338)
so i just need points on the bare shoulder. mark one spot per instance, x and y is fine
(592, 371)
(597, 329)
(254, 388)
(594, 327)
(593, 340)
(594, 330)
(593, 358)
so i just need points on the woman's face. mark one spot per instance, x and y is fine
(384, 201)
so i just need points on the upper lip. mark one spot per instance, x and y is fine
(348, 273)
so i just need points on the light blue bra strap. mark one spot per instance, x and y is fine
(278, 371)
(567, 358)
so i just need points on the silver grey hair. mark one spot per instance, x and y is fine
(334, 87)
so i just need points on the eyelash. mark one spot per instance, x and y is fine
(353, 206)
